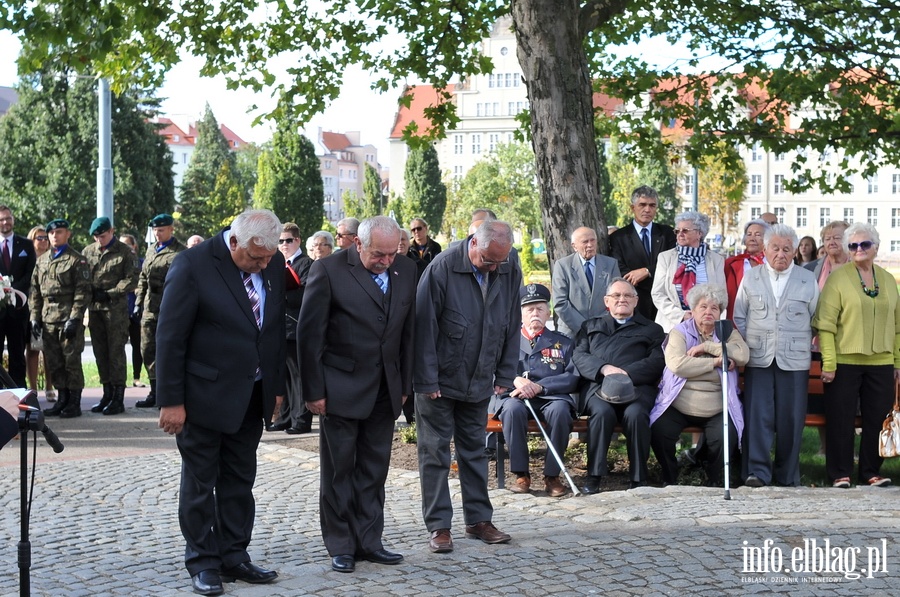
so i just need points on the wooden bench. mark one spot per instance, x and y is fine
(580, 425)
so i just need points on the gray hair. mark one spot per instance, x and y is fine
(404, 234)
(258, 225)
(381, 223)
(320, 234)
(862, 228)
(781, 231)
(698, 220)
(712, 292)
(350, 224)
(644, 191)
(622, 280)
(572, 236)
(493, 231)
(757, 222)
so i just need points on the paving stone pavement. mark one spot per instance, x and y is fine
(108, 526)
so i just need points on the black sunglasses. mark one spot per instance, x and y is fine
(417, 228)
(864, 245)
(281, 241)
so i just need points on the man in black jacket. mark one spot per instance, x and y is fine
(16, 261)
(621, 354)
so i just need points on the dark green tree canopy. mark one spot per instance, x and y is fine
(48, 157)
(425, 195)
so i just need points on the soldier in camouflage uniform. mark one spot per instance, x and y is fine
(114, 273)
(60, 291)
(149, 293)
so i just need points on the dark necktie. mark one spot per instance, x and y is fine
(589, 272)
(252, 295)
(645, 238)
(7, 259)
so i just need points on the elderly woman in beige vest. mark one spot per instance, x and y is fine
(773, 309)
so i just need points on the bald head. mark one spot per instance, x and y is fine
(584, 241)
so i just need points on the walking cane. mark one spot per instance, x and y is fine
(724, 328)
(553, 451)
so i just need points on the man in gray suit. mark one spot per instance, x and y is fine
(580, 281)
(356, 325)
(221, 372)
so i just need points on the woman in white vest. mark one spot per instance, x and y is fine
(773, 309)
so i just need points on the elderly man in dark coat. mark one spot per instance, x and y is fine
(621, 354)
(546, 379)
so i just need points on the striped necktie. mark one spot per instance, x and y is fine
(255, 303)
(382, 284)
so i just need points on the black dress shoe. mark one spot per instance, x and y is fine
(207, 582)
(298, 430)
(383, 556)
(278, 426)
(591, 485)
(343, 563)
(248, 572)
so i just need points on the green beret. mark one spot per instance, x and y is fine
(162, 220)
(54, 224)
(100, 225)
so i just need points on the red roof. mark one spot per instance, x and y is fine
(175, 135)
(335, 142)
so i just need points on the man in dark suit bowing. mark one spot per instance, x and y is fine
(637, 247)
(357, 356)
(221, 372)
(17, 261)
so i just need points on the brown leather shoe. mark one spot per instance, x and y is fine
(554, 487)
(441, 541)
(522, 484)
(487, 532)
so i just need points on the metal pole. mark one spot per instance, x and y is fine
(550, 447)
(104, 167)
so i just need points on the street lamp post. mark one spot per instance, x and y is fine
(104, 167)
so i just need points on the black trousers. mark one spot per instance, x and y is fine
(666, 431)
(354, 458)
(870, 388)
(12, 333)
(216, 508)
(635, 420)
(134, 336)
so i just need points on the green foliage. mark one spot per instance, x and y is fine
(655, 170)
(720, 189)
(246, 169)
(395, 206)
(526, 258)
(505, 182)
(49, 157)
(624, 179)
(289, 180)
(535, 444)
(372, 197)
(408, 434)
(209, 183)
(425, 194)
(610, 208)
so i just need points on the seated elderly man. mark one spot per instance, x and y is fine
(546, 379)
(620, 353)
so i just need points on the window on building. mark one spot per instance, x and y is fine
(184, 158)
(457, 172)
(872, 184)
(801, 217)
(491, 81)
(895, 246)
(779, 157)
(895, 217)
(848, 215)
(496, 108)
(688, 185)
(476, 143)
(824, 216)
(176, 138)
(493, 141)
(756, 184)
(328, 164)
(755, 213)
(779, 185)
(516, 79)
(779, 213)
(895, 183)
(756, 153)
(457, 144)
(872, 216)
(509, 78)
(479, 107)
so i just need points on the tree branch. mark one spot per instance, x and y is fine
(595, 12)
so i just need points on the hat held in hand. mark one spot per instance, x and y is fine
(617, 389)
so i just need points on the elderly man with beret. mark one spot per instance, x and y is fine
(60, 291)
(114, 273)
(621, 354)
(149, 293)
(546, 378)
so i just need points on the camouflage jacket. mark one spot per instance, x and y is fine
(153, 277)
(60, 287)
(114, 270)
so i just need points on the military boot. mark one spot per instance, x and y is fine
(73, 407)
(105, 400)
(62, 400)
(117, 406)
(150, 400)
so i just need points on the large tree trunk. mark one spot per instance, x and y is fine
(551, 54)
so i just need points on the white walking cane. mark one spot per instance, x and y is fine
(723, 331)
(550, 446)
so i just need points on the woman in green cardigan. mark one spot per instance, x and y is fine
(858, 321)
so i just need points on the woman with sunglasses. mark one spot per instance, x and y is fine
(858, 318)
(678, 270)
(38, 236)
